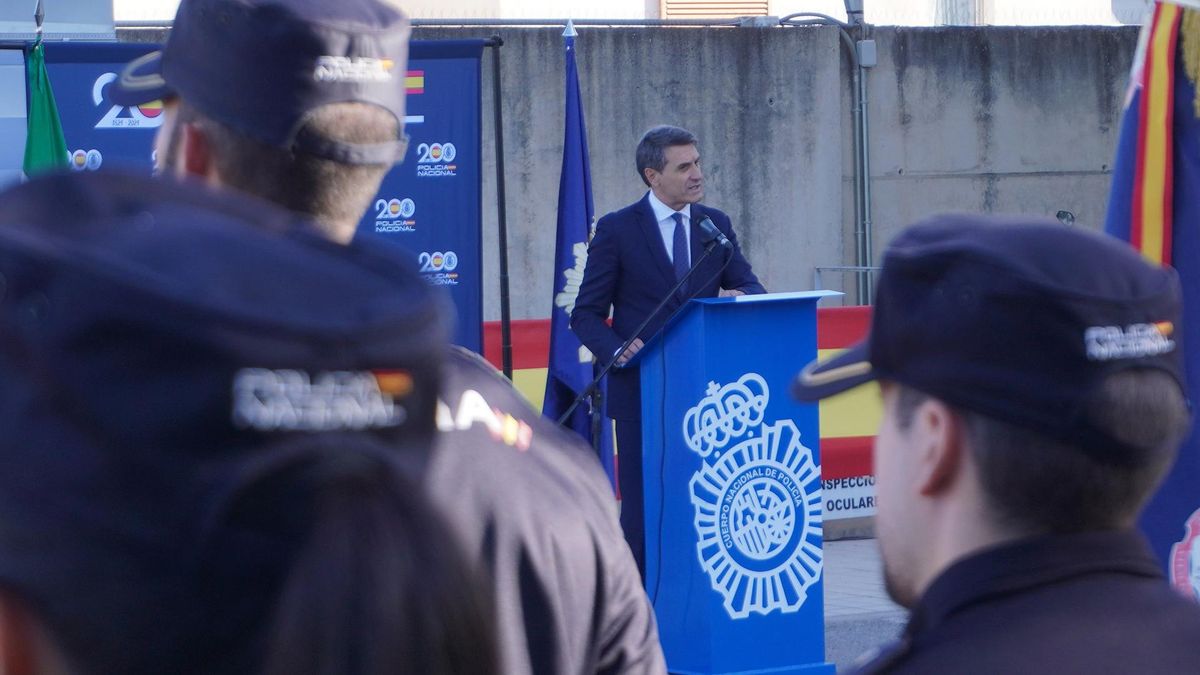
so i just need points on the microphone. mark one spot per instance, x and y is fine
(709, 233)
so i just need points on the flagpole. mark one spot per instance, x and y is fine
(506, 364)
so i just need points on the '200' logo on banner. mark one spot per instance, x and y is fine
(432, 153)
(438, 267)
(145, 116)
(394, 208)
(436, 160)
(438, 261)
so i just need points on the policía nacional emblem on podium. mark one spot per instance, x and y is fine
(757, 500)
(1184, 561)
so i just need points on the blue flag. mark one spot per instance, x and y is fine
(571, 367)
(1155, 205)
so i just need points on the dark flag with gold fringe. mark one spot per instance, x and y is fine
(1155, 206)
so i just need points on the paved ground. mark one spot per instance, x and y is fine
(858, 613)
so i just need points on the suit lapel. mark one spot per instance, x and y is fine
(654, 241)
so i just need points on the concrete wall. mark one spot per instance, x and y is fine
(983, 119)
(764, 104)
(996, 120)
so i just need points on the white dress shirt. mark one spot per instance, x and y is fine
(666, 225)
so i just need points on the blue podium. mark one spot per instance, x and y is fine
(733, 487)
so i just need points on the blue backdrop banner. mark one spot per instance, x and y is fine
(430, 204)
(99, 133)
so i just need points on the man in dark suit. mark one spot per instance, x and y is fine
(636, 256)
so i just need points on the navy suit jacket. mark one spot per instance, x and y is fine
(629, 271)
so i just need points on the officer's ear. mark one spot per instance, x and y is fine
(940, 433)
(198, 152)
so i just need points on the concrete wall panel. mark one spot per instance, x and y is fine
(995, 119)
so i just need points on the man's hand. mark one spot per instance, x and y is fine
(730, 293)
(634, 347)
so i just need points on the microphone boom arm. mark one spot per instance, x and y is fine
(709, 247)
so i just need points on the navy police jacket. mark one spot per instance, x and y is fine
(531, 501)
(1092, 602)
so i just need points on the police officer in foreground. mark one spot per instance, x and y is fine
(206, 410)
(301, 102)
(1033, 399)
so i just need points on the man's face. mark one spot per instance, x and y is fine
(896, 527)
(681, 181)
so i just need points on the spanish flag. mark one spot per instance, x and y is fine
(414, 82)
(1155, 206)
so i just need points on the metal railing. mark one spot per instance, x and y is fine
(864, 278)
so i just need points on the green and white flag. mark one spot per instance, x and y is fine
(45, 147)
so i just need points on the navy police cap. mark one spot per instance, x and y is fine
(261, 67)
(1018, 319)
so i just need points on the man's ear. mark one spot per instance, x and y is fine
(197, 152)
(651, 176)
(940, 436)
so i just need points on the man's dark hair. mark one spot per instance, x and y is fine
(329, 191)
(652, 149)
(1036, 484)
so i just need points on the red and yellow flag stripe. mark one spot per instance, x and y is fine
(414, 82)
(1153, 187)
(848, 420)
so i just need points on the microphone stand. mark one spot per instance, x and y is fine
(594, 385)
